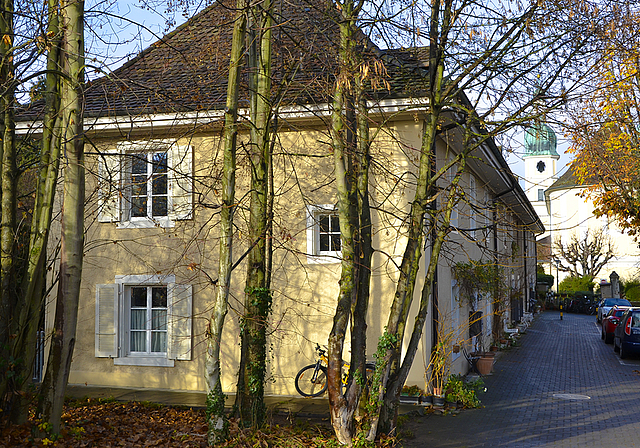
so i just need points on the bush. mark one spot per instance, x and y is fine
(632, 290)
(576, 284)
(463, 393)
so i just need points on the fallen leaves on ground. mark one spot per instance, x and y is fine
(106, 423)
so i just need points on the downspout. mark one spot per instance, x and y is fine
(496, 304)
(526, 278)
(434, 298)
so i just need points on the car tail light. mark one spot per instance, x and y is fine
(627, 328)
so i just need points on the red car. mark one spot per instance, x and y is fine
(611, 321)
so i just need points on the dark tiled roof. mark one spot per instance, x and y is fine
(569, 180)
(187, 69)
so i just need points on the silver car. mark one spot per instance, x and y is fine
(606, 304)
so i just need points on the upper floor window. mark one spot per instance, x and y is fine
(148, 181)
(451, 174)
(540, 194)
(328, 233)
(472, 205)
(323, 234)
(145, 184)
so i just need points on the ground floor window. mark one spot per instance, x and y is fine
(148, 319)
(144, 320)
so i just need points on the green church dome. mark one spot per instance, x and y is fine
(540, 140)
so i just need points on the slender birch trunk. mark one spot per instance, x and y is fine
(216, 418)
(72, 236)
(257, 307)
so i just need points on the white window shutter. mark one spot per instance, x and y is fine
(107, 321)
(180, 322)
(181, 184)
(109, 187)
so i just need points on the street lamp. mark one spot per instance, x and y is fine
(558, 286)
(557, 278)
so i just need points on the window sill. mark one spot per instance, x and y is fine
(146, 223)
(145, 361)
(325, 258)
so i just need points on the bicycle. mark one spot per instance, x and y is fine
(311, 380)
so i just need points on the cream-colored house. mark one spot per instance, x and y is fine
(154, 162)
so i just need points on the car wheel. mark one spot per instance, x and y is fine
(603, 336)
(623, 354)
(615, 346)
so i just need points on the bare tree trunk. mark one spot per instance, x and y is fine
(216, 418)
(257, 306)
(25, 325)
(350, 140)
(389, 409)
(72, 237)
(8, 290)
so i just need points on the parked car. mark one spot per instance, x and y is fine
(606, 304)
(626, 337)
(611, 321)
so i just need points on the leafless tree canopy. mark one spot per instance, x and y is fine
(584, 254)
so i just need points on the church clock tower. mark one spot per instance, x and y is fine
(540, 165)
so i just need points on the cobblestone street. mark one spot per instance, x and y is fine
(562, 386)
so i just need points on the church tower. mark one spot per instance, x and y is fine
(540, 166)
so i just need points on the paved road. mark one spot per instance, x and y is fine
(524, 406)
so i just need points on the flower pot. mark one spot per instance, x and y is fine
(494, 348)
(410, 399)
(438, 400)
(485, 364)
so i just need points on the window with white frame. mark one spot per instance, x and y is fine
(472, 205)
(143, 320)
(148, 181)
(145, 184)
(147, 313)
(455, 315)
(451, 174)
(323, 234)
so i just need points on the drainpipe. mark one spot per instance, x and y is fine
(496, 305)
(526, 279)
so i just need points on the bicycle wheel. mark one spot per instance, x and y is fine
(307, 385)
(370, 369)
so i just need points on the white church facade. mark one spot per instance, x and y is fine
(558, 200)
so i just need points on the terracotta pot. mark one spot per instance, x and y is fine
(485, 365)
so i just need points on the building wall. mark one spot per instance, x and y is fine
(304, 286)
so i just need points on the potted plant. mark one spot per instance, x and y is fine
(411, 394)
(438, 371)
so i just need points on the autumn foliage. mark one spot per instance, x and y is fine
(606, 137)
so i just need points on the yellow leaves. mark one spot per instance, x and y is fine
(192, 266)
